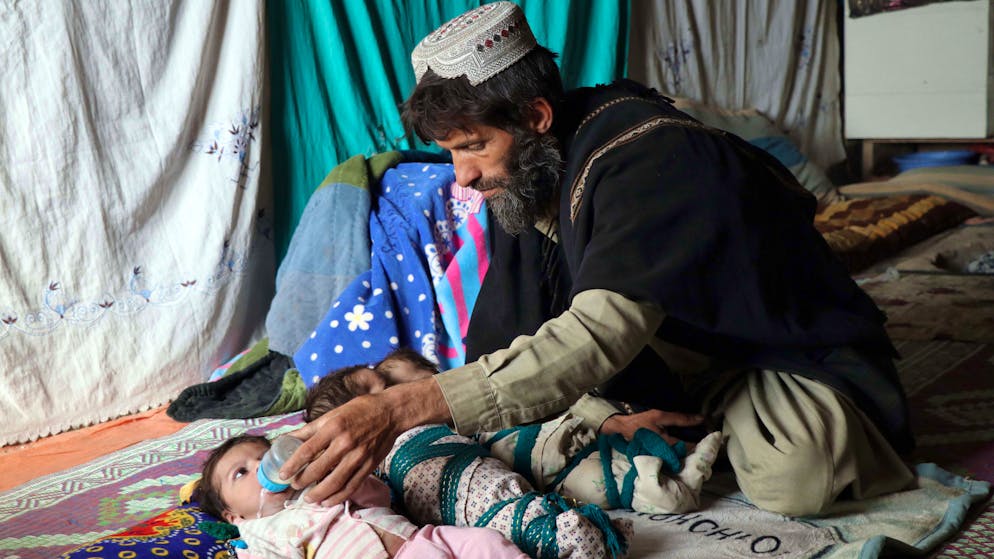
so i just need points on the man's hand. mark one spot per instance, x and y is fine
(345, 445)
(653, 420)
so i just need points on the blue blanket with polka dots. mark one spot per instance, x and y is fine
(393, 304)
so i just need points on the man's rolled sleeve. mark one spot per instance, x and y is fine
(470, 398)
(540, 375)
(593, 411)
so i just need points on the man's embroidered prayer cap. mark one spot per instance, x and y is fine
(478, 44)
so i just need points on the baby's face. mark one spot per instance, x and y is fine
(240, 490)
(399, 371)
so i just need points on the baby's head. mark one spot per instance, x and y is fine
(338, 387)
(405, 365)
(229, 488)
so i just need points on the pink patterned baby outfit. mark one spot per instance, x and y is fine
(443, 542)
(345, 531)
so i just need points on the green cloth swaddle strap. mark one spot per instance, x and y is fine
(646, 442)
(527, 436)
(643, 443)
(523, 446)
(449, 486)
(605, 446)
(499, 435)
(416, 450)
(537, 538)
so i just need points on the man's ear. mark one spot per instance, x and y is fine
(541, 115)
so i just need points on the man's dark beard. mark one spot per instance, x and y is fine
(530, 188)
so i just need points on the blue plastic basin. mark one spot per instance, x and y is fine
(935, 159)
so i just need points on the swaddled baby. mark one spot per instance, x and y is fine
(280, 525)
(563, 455)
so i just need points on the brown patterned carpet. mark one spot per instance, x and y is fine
(937, 306)
(943, 326)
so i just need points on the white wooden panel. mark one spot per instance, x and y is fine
(920, 72)
(917, 115)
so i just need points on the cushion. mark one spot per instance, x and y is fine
(864, 231)
(755, 128)
(173, 533)
(969, 185)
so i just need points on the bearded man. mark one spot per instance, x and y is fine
(680, 243)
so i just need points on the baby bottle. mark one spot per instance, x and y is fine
(277, 455)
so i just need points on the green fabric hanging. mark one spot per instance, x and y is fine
(339, 69)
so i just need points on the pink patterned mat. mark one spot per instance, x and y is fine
(61, 511)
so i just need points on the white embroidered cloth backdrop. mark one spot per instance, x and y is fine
(136, 213)
(778, 56)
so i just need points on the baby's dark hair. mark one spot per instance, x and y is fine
(406, 354)
(208, 491)
(333, 390)
(336, 388)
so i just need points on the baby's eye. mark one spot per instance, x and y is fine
(240, 472)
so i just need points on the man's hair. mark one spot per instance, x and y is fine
(333, 390)
(438, 105)
(208, 491)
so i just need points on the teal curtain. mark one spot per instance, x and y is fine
(339, 69)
